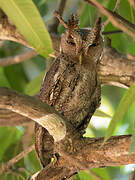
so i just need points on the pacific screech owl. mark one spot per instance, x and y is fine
(71, 85)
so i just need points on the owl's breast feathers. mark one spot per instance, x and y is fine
(72, 89)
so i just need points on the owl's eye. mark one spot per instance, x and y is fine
(70, 41)
(93, 45)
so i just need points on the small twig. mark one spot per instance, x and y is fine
(112, 32)
(18, 58)
(116, 5)
(115, 9)
(132, 3)
(123, 20)
(15, 173)
(115, 15)
(53, 27)
(7, 165)
(111, 16)
(61, 20)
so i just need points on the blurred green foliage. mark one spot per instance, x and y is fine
(33, 29)
(26, 77)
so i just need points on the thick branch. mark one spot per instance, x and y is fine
(116, 69)
(88, 153)
(33, 108)
(15, 118)
(115, 152)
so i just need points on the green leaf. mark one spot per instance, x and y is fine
(123, 107)
(32, 162)
(16, 76)
(3, 80)
(82, 175)
(100, 113)
(8, 136)
(87, 16)
(131, 48)
(34, 86)
(27, 19)
(126, 14)
(102, 173)
(95, 173)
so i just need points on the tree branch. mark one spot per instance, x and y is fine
(33, 108)
(15, 118)
(18, 58)
(52, 28)
(114, 18)
(7, 165)
(132, 3)
(114, 10)
(91, 154)
(116, 69)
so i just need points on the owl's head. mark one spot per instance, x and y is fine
(81, 43)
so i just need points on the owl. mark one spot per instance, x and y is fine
(71, 85)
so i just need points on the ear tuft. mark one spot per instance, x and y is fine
(73, 22)
(96, 30)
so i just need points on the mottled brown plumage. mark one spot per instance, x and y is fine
(71, 85)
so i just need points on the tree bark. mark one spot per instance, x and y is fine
(89, 153)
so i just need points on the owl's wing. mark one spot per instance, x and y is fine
(49, 92)
(53, 81)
